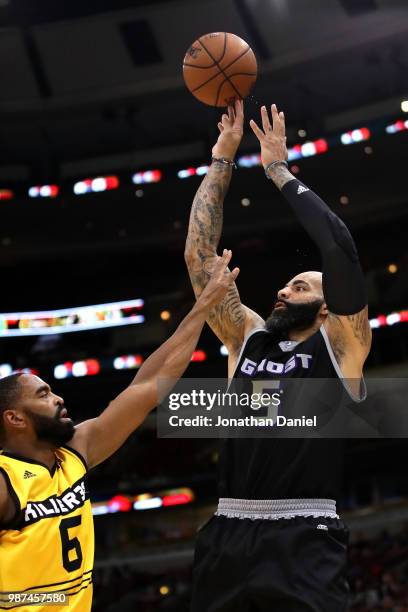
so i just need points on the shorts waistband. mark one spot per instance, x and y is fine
(274, 509)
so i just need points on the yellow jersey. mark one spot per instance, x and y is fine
(47, 550)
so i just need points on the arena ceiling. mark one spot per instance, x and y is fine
(97, 86)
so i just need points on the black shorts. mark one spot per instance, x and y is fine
(285, 565)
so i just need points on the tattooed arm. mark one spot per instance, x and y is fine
(343, 283)
(230, 320)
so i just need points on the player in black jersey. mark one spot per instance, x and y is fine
(276, 542)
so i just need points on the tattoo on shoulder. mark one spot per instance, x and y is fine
(361, 327)
(337, 337)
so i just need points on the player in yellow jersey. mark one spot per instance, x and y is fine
(46, 529)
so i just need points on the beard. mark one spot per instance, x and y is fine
(52, 429)
(294, 317)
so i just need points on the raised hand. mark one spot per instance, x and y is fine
(272, 138)
(231, 129)
(220, 282)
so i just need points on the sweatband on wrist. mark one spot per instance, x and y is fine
(272, 165)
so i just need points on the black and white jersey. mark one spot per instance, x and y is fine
(284, 468)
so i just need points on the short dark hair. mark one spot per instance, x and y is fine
(9, 393)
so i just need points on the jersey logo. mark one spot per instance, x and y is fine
(28, 474)
(302, 189)
(287, 345)
(300, 360)
(71, 499)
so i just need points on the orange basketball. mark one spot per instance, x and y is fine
(219, 67)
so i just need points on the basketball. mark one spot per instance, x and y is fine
(219, 68)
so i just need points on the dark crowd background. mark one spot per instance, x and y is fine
(95, 89)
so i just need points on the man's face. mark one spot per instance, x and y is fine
(298, 305)
(46, 411)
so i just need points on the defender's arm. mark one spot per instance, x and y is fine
(98, 438)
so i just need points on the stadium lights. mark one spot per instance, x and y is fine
(199, 356)
(148, 504)
(6, 369)
(199, 171)
(120, 503)
(6, 194)
(96, 185)
(145, 501)
(298, 151)
(43, 191)
(176, 499)
(149, 176)
(404, 106)
(249, 161)
(88, 367)
(391, 319)
(91, 367)
(398, 126)
(127, 362)
(308, 149)
(75, 319)
(357, 135)
(164, 590)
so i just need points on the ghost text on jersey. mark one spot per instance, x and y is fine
(300, 360)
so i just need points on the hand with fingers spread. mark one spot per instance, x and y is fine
(231, 129)
(272, 138)
(220, 282)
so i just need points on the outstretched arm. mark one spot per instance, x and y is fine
(98, 438)
(343, 282)
(230, 320)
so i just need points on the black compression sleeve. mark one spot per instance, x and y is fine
(343, 281)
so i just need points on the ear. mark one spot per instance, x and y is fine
(14, 418)
(323, 309)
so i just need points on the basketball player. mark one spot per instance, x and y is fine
(46, 530)
(292, 556)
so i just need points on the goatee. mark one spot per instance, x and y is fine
(52, 429)
(297, 317)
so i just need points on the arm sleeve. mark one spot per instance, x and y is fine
(343, 280)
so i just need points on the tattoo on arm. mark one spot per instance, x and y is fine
(227, 318)
(280, 175)
(228, 314)
(206, 217)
